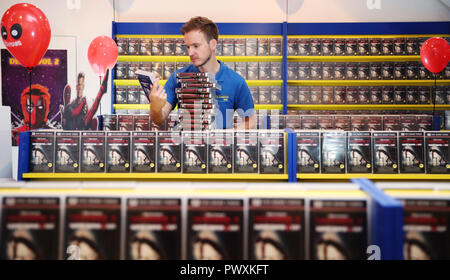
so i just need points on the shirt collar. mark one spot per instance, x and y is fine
(219, 75)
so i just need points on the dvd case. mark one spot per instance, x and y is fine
(316, 95)
(246, 152)
(241, 69)
(264, 70)
(375, 70)
(153, 229)
(67, 151)
(275, 46)
(118, 152)
(363, 95)
(339, 71)
(276, 229)
(338, 229)
(411, 145)
(263, 46)
(376, 95)
(327, 95)
(264, 95)
(391, 123)
(342, 123)
(157, 46)
(145, 47)
(315, 70)
(385, 152)
(220, 151)
(408, 123)
(292, 95)
(327, 46)
(315, 46)
(42, 151)
(169, 46)
(194, 152)
(325, 122)
(239, 46)
(181, 50)
(228, 47)
(121, 95)
(275, 95)
(358, 123)
(308, 152)
(339, 46)
(121, 70)
(351, 71)
(399, 95)
(292, 71)
(328, 71)
(252, 71)
(375, 123)
(309, 122)
(122, 45)
(125, 122)
(143, 151)
(387, 46)
(437, 152)
(292, 47)
(93, 225)
(133, 95)
(110, 122)
(169, 151)
(333, 152)
(363, 46)
(364, 71)
(275, 70)
(387, 95)
(400, 69)
(351, 94)
(351, 46)
(376, 46)
(359, 152)
(272, 155)
(30, 228)
(303, 47)
(251, 47)
(92, 151)
(133, 46)
(304, 94)
(411, 46)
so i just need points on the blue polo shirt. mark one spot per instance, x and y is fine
(234, 95)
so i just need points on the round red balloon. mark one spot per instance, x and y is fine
(102, 54)
(435, 54)
(26, 33)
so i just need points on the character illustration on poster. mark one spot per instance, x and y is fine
(48, 79)
(144, 246)
(77, 115)
(20, 246)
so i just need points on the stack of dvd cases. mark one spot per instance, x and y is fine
(197, 104)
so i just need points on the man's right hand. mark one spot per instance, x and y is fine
(158, 97)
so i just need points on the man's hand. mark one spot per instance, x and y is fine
(158, 97)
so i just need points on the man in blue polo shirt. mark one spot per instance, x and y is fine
(200, 37)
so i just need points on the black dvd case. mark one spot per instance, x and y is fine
(143, 151)
(169, 151)
(272, 153)
(92, 151)
(246, 152)
(308, 152)
(67, 151)
(118, 152)
(333, 152)
(411, 146)
(220, 151)
(195, 152)
(42, 151)
(437, 148)
(385, 152)
(359, 152)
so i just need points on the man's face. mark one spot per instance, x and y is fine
(80, 87)
(199, 49)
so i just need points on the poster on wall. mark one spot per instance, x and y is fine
(47, 86)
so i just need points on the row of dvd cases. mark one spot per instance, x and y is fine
(295, 224)
(225, 151)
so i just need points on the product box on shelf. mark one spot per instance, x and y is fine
(408, 123)
(169, 46)
(252, 71)
(385, 152)
(292, 47)
(181, 50)
(93, 224)
(251, 46)
(376, 47)
(276, 229)
(220, 152)
(67, 151)
(351, 71)
(275, 47)
(276, 71)
(121, 95)
(169, 68)
(132, 68)
(125, 122)
(387, 46)
(375, 70)
(272, 153)
(351, 46)
(304, 94)
(400, 69)
(412, 96)
(327, 46)
(391, 123)
(333, 152)
(304, 71)
(342, 123)
(315, 95)
(363, 46)
(315, 46)
(254, 90)
(239, 46)
(241, 69)
(424, 123)
(363, 71)
(157, 46)
(141, 123)
(304, 46)
(169, 151)
(325, 122)
(263, 46)
(327, 95)
(195, 153)
(316, 71)
(143, 151)
(387, 95)
(437, 145)
(411, 146)
(363, 95)
(264, 95)
(339, 46)
(328, 71)
(145, 47)
(339, 71)
(215, 229)
(309, 122)
(399, 46)
(264, 70)
(42, 157)
(308, 152)
(351, 95)
(292, 71)
(412, 72)
(246, 152)
(219, 48)
(411, 46)
(122, 45)
(133, 95)
(110, 122)
(359, 152)
(121, 70)
(399, 95)
(30, 228)
(376, 95)
(275, 95)
(292, 95)
(133, 46)
(358, 123)
(375, 123)
(153, 227)
(387, 70)
(118, 152)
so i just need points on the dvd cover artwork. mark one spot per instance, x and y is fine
(121, 95)
(67, 152)
(309, 122)
(133, 46)
(292, 71)
(92, 151)
(351, 94)
(252, 71)
(157, 46)
(228, 47)
(264, 71)
(385, 152)
(327, 46)
(143, 152)
(220, 150)
(42, 151)
(423, 72)
(400, 71)
(146, 46)
(424, 123)
(387, 46)
(412, 95)
(412, 152)
(276, 229)
(275, 95)
(141, 123)
(264, 95)
(122, 45)
(333, 152)
(92, 224)
(292, 47)
(412, 71)
(363, 95)
(376, 46)
(375, 71)
(304, 70)
(375, 123)
(153, 229)
(30, 228)
(254, 90)
(169, 151)
(351, 71)
(338, 229)
(121, 70)
(387, 95)
(351, 46)
(316, 95)
(304, 94)
(411, 46)
(364, 71)
(327, 95)
(359, 152)
(275, 46)
(440, 95)
(157, 68)
(400, 95)
(328, 71)
(399, 46)
(342, 123)
(358, 123)
(241, 69)
(246, 152)
(426, 229)
(275, 71)
(308, 152)
(277, 121)
(263, 46)
(215, 229)
(408, 123)
(325, 122)
(169, 68)
(194, 152)
(109, 122)
(293, 122)
(391, 123)
(239, 47)
(251, 47)
(303, 47)
(363, 46)
(133, 95)
(292, 95)
(219, 47)
(315, 46)
(316, 70)
(118, 152)
(437, 152)
(339, 46)
(132, 68)
(180, 47)
(376, 95)
(271, 146)
(125, 122)
(169, 46)
(339, 71)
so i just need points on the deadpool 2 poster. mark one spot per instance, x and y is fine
(48, 80)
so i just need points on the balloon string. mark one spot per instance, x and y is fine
(29, 100)
(100, 104)
(434, 96)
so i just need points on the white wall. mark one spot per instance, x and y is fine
(94, 18)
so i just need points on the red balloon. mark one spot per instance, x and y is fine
(102, 54)
(435, 54)
(26, 33)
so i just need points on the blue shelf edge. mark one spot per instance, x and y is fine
(24, 154)
(386, 221)
(292, 155)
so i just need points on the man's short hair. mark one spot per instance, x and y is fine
(80, 76)
(207, 26)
